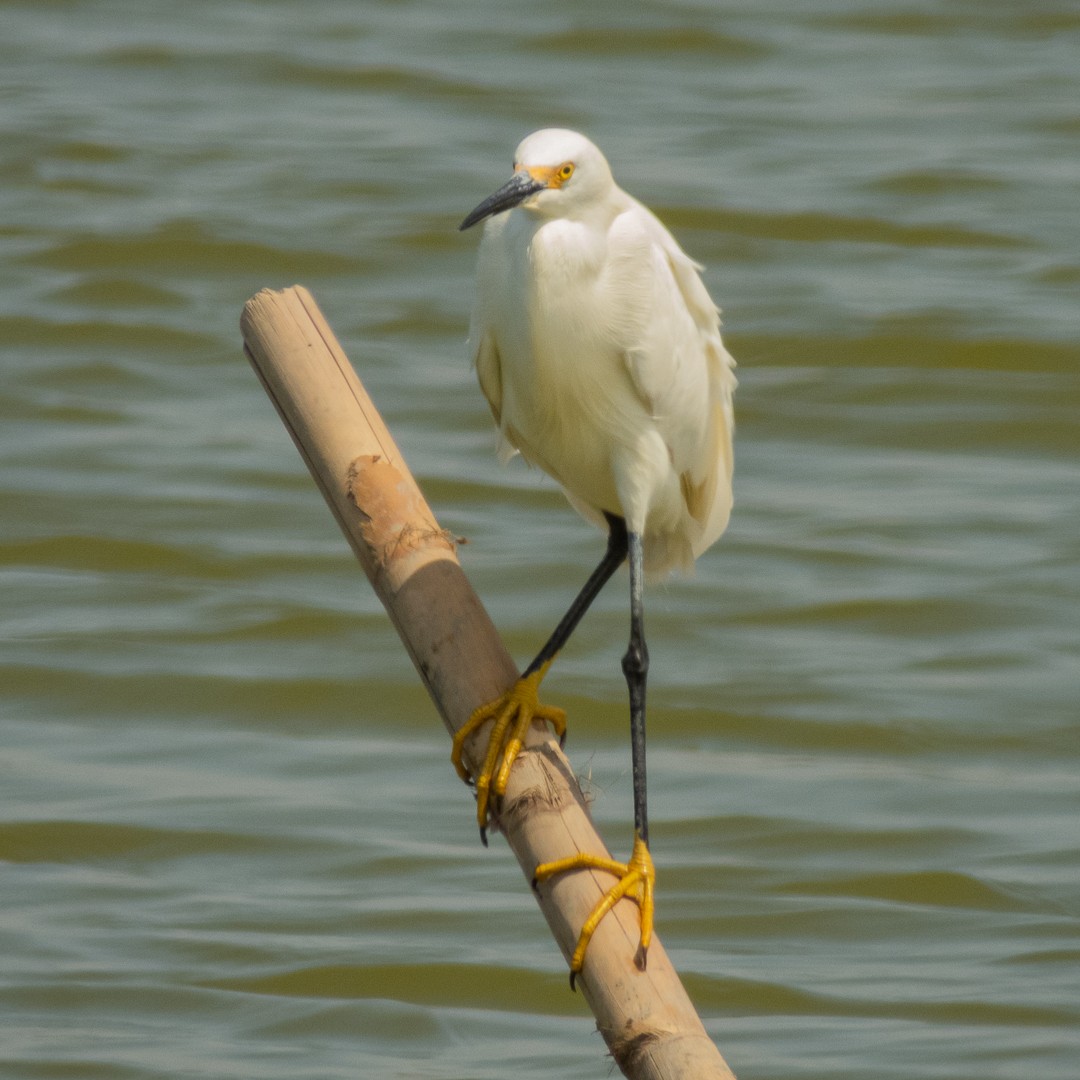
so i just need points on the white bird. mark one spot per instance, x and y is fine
(599, 351)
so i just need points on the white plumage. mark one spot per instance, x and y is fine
(599, 352)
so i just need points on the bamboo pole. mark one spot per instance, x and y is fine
(646, 1018)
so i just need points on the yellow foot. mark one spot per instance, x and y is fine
(637, 879)
(512, 714)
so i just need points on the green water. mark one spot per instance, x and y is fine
(231, 842)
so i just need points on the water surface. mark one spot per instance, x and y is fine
(232, 842)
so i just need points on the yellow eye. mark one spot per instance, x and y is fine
(566, 170)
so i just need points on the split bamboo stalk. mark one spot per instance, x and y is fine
(646, 1018)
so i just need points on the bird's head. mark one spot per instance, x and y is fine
(557, 173)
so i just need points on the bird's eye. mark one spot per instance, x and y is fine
(565, 171)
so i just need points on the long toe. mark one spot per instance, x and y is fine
(636, 881)
(510, 716)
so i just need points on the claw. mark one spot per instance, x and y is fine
(637, 879)
(512, 714)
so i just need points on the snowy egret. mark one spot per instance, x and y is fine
(598, 349)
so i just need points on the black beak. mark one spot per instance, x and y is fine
(516, 190)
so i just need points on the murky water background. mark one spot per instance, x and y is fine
(232, 842)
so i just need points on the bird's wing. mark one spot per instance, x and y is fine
(676, 360)
(666, 325)
(489, 373)
(491, 299)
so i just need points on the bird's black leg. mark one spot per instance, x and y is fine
(635, 667)
(617, 547)
(637, 877)
(514, 711)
